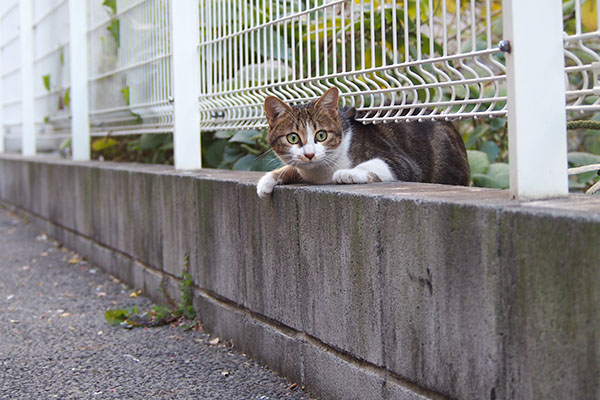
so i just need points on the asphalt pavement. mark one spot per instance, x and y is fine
(56, 344)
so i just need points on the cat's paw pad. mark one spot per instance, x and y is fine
(265, 186)
(353, 175)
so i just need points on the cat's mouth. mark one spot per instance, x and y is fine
(308, 163)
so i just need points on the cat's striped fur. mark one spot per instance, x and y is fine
(319, 143)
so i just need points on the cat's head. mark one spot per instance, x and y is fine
(306, 135)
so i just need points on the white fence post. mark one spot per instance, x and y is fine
(186, 83)
(28, 144)
(80, 122)
(536, 98)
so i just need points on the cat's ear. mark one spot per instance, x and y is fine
(348, 112)
(329, 100)
(274, 108)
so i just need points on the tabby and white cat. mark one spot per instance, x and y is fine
(320, 144)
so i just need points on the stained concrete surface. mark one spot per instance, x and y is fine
(55, 342)
(382, 291)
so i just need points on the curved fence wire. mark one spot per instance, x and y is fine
(582, 55)
(392, 60)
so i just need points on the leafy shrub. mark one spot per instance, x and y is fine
(238, 150)
(147, 148)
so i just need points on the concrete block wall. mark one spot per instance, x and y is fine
(384, 291)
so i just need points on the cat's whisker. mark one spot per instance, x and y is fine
(265, 153)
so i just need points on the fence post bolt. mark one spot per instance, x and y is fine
(504, 46)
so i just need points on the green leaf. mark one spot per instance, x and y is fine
(500, 172)
(568, 7)
(497, 177)
(115, 317)
(113, 28)
(103, 144)
(125, 93)
(491, 149)
(497, 124)
(213, 156)
(224, 134)
(478, 132)
(243, 137)
(587, 177)
(478, 162)
(46, 79)
(67, 98)
(576, 185)
(47, 119)
(482, 180)
(161, 313)
(152, 141)
(245, 163)
(232, 154)
(167, 146)
(577, 159)
(189, 312)
(266, 162)
(112, 4)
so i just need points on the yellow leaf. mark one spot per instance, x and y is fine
(103, 143)
(451, 6)
(136, 293)
(589, 16)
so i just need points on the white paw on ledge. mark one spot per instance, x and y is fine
(353, 175)
(265, 186)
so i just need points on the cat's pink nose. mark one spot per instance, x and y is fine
(309, 155)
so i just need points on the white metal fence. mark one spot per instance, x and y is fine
(130, 66)
(393, 60)
(144, 66)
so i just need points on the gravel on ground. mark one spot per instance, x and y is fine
(56, 344)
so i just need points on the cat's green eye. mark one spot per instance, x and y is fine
(293, 138)
(321, 136)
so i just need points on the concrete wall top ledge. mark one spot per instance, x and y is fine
(577, 206)
(440, 291)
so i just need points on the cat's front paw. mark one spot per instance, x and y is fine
(265, 186)
(353, 175)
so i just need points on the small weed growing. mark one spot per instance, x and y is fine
(178, 314)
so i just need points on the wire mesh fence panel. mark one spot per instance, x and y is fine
(10, 73)
(51, 72)
(129, 45)
(392, 60)
(582, 55)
